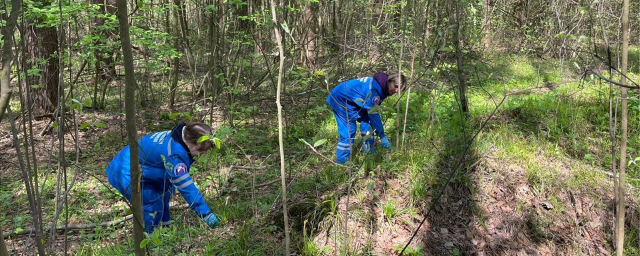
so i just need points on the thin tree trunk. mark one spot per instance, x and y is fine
(461, 79)
(612, 114)
(176, 62)
(28, 186)
(399, 85)
(3, 246)
(623, 132)
(406, 110)
(310, 50)
(130, 109)
(7, 56)
(174, 82)
(486, 24)
(280, 137)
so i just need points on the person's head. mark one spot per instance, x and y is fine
(192, 132)
(396, 82)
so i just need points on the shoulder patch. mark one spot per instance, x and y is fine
(376, 100)
(180, 169)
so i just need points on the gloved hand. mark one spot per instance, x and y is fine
(211, 220)
(385, 143)
(367, 148)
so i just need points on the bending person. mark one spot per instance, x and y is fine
(165, 159)
(353, 101)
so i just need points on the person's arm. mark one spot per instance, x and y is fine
(372, 106)
(181, 180)
(376, 124)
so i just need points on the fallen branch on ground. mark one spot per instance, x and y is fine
(71, 227)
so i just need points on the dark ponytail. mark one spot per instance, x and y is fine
(193, 131)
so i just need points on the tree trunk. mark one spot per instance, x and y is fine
(216, 48)
(3, 246)
(104, 54)
(42, 46)
(177, 43)
(486, 24)
(623, 133)
(310, 50)
(130, 109)
(280, 137)
(461, 79)
(7, 56)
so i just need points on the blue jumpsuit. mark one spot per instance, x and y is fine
(353, 101)
(164, 162)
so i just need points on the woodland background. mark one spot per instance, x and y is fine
(521, 119)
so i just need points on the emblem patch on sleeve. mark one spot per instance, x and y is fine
(376, 100)
(180, 169)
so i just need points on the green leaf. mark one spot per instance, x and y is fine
(174, 115)
(368, 136)
(319, 73)
(55, 125)
(319, 143)
(85, 125)
(156, 240)
(285, 27)
(217, 142)
(144, 243)
(188, 116)
(87, 102)
(76, 106)
(211, 8)
(18, 230)
(203, 138)
(446, 49)
(101, 125)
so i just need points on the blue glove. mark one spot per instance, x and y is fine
(211, 220)
(385, 143)
(367, 148)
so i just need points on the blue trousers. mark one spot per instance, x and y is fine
(346, 121)
(155, 201)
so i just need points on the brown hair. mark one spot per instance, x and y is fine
(393, 77)
(193, 131)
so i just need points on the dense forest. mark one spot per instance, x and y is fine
(517, 132)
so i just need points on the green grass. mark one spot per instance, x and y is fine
(531, 129)
(559, 139)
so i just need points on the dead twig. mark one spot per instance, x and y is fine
(321, 155)
(71, 226)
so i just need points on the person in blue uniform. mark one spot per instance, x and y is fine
(353, 101)
(165, 159)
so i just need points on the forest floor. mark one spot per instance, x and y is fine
(535, 181)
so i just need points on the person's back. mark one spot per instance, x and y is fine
(349, 94)
(156, 152)
(355, 101)
(165, 159)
